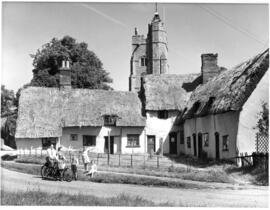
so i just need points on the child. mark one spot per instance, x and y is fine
(85, 159)
(74, 164)
(93, 169)
(61, 165)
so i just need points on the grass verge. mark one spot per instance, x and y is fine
(34, 198)
(210, 175)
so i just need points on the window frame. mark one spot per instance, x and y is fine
(94, 143)
(143, 61)
(46, 142)
(188, 142)
(131, 139)
(205, 140)
(225, 138)
(163, 114)
(109, 120)
(73, 135)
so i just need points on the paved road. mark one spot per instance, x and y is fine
(15, 181)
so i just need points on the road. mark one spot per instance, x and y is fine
(251, 197)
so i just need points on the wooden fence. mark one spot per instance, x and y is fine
(256, 160)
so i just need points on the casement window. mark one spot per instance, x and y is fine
(163, 114)
(182, 137)
(47, 142)
(89, 140)
(225, 143)
(188, 142)
(109, 120)
(205, 137)
(143, 61)
(133, 140)
(73, 137)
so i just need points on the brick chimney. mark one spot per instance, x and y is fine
(209, 66)
(65, 75)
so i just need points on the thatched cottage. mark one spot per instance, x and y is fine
(210, 113)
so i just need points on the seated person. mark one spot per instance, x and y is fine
(93, 169)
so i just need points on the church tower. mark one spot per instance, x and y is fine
(149, 55)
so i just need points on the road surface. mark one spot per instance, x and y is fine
(251, 197)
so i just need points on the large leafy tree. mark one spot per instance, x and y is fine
(86, 70)
(263, 120)
(8, 116)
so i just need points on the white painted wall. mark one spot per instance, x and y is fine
(100, 133)
(27, 143)
(161, 128)
(224, 124)
(248, 117)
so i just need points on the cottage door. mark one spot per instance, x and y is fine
(217, 146)
(151, 144)
(173, 143)
(200, 145)
(111, 144)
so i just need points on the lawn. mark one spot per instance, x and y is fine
(34, 198)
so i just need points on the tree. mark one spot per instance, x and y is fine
(263, 121)
(8, 116)
(86, 69)
(7, 101)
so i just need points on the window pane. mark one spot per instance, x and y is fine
(89, 140)
(206, 139)
(133, 140)
(225, 143)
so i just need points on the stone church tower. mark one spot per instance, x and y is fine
(149, 55)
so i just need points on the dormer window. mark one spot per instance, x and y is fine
(110, 120)
(163, 114)
(143, 61)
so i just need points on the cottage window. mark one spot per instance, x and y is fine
(143, 61)
(109, 120)
(205, 137)
(47, 142)
(133, 140)
(182, 137)
(163, 114)
(225, 144)
(188, 142)
(73, 137)
(89, 140)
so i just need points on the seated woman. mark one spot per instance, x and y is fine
(93, 169)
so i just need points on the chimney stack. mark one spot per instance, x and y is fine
(209, 67)
(65, 75)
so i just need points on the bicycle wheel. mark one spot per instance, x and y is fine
(67, 175)
(42, 170)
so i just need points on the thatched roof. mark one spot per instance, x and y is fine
(229, 90)
(166, 91)
(44, 111)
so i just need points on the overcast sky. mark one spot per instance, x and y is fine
(235, 31)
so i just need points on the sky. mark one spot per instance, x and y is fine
(236, 32)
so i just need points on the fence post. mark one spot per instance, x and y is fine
(257, 145)
(69, 156)
(158, 161)
(97, 157)
(144, 161)
(131, 164)
(30, 153)
(119, 160)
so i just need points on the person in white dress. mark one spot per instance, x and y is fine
(85, 158)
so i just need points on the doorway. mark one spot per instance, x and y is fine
(173, 143)
(111, 144)
(194, 144)
(217, 146)
(200, 145)
(151, 144)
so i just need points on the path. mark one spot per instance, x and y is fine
(15, 181)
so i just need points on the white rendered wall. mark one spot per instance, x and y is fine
(249, 116)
